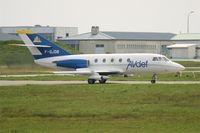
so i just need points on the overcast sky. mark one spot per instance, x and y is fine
(110, 15)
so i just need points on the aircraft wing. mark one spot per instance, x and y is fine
(73, 72)
(86, 71)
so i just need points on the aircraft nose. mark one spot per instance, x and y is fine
(179, 67)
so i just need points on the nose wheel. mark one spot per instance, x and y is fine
(154, 78)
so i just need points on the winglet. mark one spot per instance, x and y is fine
(25, 32)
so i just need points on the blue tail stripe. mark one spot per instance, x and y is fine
(51, 51)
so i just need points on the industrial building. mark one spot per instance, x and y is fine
(187, 46)
(51, 33)
(182, 51)
(120, 42)
(176, 46)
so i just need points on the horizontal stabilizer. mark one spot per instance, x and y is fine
(30, 45)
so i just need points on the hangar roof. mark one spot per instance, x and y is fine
(193, 36)
(89, 36)
(104, 35)
(181, 45)
(140, 35)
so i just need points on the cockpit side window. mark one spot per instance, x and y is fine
(165, 59)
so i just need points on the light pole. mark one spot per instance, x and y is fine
(188, 21)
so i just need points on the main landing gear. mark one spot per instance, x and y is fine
(101, 81)
(154, 78)
(91, 81)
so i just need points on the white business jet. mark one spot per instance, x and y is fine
(96, 66)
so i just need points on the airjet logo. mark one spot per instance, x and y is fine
(37, 40)
(137, 64)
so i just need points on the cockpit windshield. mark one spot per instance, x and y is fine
(160, 59)
(165, 59)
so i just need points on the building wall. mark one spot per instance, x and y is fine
(8, 37)
(137, 47)
(192, 52)
(183, 53)
(63, 32)
(120, 46)
(197, 51)
(179, 53)
(89, 47)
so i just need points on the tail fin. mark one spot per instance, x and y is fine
(39, 46)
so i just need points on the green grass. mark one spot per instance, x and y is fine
(16, 60)
(110, 108)
(14, 55)
(24, 69)
(189, 63)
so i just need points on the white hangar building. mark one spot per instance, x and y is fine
(182, 51)
(120, 42)
(186, 46)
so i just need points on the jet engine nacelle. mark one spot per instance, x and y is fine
(73, 63)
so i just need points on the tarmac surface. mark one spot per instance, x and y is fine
(27, 82)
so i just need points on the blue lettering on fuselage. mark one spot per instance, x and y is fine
(137, 64)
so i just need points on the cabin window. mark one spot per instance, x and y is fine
(104, 60)
(112, 60)
(160, 59)
(120, 60)
(96, 60)
(155, 59)
(128, 60)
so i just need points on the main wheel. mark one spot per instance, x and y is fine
(102, 81)
(91, 81)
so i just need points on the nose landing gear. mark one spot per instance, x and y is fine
(154, 78)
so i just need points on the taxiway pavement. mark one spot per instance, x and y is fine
(27, 82)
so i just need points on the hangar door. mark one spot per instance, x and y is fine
(180, 53)
(99, 49)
